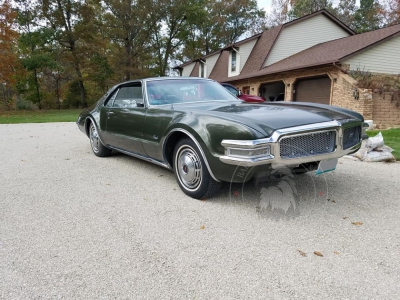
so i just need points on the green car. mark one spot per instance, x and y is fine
(207, 136)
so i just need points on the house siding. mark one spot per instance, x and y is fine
(211, 61)
(381, 59)
(300, 36)
(187, 70)
(244, 51)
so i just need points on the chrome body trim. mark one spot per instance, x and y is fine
(278, 134)
(197, 144)
(146, 158)
(274, 158)
(364, 134)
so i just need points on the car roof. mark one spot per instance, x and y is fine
(148, 79)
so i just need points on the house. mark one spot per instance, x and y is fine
(310, 59)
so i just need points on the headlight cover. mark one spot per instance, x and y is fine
(248, 153)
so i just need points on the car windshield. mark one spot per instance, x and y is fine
(186, 90)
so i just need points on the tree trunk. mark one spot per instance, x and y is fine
(80, 79)
(37, 88)
(128, 49)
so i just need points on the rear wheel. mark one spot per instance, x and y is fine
(97, 146)
(191, 172)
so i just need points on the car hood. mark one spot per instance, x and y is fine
(266, 117)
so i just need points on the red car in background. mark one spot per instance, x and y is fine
(240, 95)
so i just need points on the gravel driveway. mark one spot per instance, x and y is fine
(76, 226)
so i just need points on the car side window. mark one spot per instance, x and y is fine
(232, 90)
(111, 99)
(129, 97)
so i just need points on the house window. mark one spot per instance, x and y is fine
(202, 69)
(234, 63)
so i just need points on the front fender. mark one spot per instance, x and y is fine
(208, 132)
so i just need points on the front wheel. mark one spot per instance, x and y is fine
(191, 172)
(97, 146)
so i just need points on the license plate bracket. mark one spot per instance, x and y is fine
(327, 165)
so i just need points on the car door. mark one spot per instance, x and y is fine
(161, 113)
(125, 119)
(157, 122)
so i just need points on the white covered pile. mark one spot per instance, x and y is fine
(374, 149)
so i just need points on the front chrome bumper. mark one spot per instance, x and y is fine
(273, 142)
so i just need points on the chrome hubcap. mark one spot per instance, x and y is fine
(94, 138)
(188, 167)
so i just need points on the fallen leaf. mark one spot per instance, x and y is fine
(302, 253)
(108, 184)
(202, 227)
(336, 252)
(344, 218)
(318, 253)
(357, 223)
(161, 175)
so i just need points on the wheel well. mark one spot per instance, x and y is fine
(87, 126)
(170, 145)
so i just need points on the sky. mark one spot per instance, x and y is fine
(266, 4)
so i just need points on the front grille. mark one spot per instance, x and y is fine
(351, 136)
(307, 144)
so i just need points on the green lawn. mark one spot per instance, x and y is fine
(391, 138)
(39, 116)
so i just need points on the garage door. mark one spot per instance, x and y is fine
(317, 90)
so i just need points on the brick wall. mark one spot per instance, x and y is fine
(288, 78)
(346, 94)
(386, 110)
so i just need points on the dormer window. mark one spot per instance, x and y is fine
(234, 62)
(202, 69)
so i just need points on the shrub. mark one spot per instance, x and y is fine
(22, 104)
